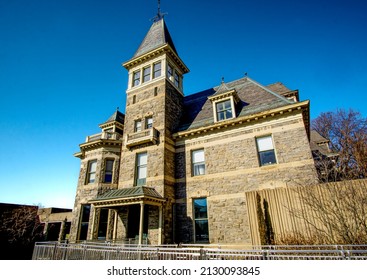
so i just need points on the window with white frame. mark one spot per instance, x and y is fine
(177, 79)
(157, 69)
(108, 171)
(224, 110)
(198, 162)
(169, 72)
(265, 150)
(146, 74)
(91, 172)
(149, 122)
(201, 220)
(137, 126)
(141, 169)
(136, 78)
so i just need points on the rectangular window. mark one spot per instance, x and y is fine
(148, 122)
(84, 222)
(146, 74)
(141, 169)
(91, 174)
(157, 70)
(169, 72)
(108, 171)
(201, 220)
(177, 79)
(137, 126)
(136, 78)
(224, 110)
(198, 162)
(103, 222)
(266, 150)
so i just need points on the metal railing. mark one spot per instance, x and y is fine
(120, 251)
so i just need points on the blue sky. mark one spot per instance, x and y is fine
(61, 73)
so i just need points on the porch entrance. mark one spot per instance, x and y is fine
(134, 221)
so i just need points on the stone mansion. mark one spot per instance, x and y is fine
(176, 168)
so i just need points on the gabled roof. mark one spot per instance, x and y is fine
(253, 98)
(157, 36)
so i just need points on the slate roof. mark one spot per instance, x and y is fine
(117, 116)
(320, 144)
(254, 98)
(157, 36)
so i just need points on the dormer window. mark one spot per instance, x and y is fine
(224, 110)
(224, 102)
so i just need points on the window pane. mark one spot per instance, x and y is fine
(146, 74)
(136, 78)
(169, 71)
(109, 164)
(156, 70)
(142, 159)
(265, 143)
(201, 219)
(200, 207)
(142, 172)
(198, 156)
(201, 231)
(85, 213)
(199, 169)
(149, 122)
(267, 157)
(224, 110)
(137, 126)
(92, 167)
(228, 113)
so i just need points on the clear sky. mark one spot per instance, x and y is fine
(61, 73)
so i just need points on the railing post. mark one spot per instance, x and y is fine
(64, 257)
(203, 254)
(54, 252)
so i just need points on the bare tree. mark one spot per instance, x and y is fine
(347, 132)
(333, 213)
(20, 227)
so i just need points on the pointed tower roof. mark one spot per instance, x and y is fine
(117, 118)
(157, 36)
(156, 42)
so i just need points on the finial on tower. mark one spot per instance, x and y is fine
(159, 15)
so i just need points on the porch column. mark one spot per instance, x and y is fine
(141, 223)
(115, 226)
(62, 230)
(94, 220)
(160, 225)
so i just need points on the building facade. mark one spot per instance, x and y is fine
(177, 168)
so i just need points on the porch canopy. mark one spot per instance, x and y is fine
(128, 196)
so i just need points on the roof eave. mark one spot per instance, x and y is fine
(304, 106)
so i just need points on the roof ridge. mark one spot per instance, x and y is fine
(270, 91)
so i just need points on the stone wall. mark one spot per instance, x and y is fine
(232, 168)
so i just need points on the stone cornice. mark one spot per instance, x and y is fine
(147, 56)
(304, 106)
(96, 144)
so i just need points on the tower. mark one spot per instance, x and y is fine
(153, 111)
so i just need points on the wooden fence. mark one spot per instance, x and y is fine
(307, 210)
